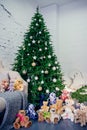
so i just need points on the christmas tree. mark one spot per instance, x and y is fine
(37, 63)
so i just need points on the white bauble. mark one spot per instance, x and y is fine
(28, 80)
(46, 71)
(49, 56)
(54, 68)
(33, 41)
(54, 80)
(36, 78)
(24, 72)
(57, 89)
(47, 91)
(42, 82)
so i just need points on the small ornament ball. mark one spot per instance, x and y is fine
(24, 71)
(33, 64)
(47, 91)
(39, 88)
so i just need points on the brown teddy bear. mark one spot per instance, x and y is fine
(40, 116)
(22, 120)
(18, 85)
(80, 115)
(59, 106)
(44, 107)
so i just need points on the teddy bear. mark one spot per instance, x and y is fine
(44, 107)
(40, 116)
(59, 106)
(22, 120)
(65, 95)
(54, 117)
(18, 85)
(68, 110)
(80, 115)
(4, 86)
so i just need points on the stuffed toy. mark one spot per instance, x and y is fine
(4, 85)
(18, 85)
(40, 116)
(44, 107)
(65, 95)
(47, 116)
(68, 109)
(59, 106)
(80, 116)
(31, 112)
(52, 98)
(54, 117)
(22, 120)
(68, 114)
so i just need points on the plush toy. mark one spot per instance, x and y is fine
(47, 116)
(54, 117)
(31, 112)
(68, 110)
(4, 85)
(65, 95)
(80, 116)
(68, 114)
(44, 107)
(52, 98)
(59, 106)
(22, 120)
(40, 116)
(18, 85)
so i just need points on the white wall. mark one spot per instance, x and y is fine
(50, 16)
(15, 17)
(72, 34)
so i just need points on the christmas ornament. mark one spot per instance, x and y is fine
(55, 62)
(40, 32)
(36, 24)
(28, 80)
(33, 41)
(42, 71)
(42, 82)
(39, 88)
(33, 64)
(30, 37)
(45, 48)
(49, 56)
(24, 72)
(54, 68)
(34, 57)
(40, 49)
(46, 71)
(54, 80)
(49, 64)
(38, 41)
(40, 20)
(28, 44)
(47, 91)
(57, 89)
(36, 78)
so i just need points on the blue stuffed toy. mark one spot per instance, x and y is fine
(52, 98)
(31, 112)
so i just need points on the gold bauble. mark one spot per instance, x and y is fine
(39, 88)
(33, 64)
